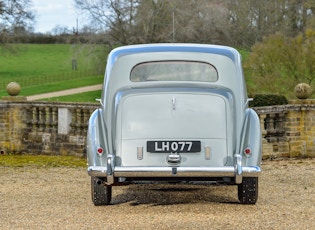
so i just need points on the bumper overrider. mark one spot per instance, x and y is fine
(110, 171)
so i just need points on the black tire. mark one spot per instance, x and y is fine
(248, 190)
(101, 194)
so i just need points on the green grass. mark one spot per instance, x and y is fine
(81, 97)
(41, 68)
(36, 60)
(45, 59)
(41, 161)
(57, 86)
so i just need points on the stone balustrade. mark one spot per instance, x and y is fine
(288, 130)
(44, 127)
(60, 128)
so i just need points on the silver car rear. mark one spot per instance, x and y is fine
(174, 112)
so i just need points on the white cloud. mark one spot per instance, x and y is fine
(50, 13)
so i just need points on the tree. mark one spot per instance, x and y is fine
(114, 16)
(203, 21)
(152, 21)
(147, 21)
(251, 20)
(14, 15)
(61, 30)
(280, 62)
(239, 23)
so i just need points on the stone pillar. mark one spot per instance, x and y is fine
(301, 128)
(64, 120)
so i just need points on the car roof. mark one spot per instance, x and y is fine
(176, 47)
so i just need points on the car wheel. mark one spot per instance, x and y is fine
(101, 194)
(248, 190)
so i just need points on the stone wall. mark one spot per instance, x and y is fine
(44, 127)
(288, 130)
(60, 128)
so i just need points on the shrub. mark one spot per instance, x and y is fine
(267, 100)
(280, 62)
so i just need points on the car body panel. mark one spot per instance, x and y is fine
(169, 113)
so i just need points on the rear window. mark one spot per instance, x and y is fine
(174, 71)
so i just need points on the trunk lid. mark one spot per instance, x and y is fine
(168, 117)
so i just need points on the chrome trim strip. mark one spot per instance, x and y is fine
(229, 171)
(238, 169)
(109, 171)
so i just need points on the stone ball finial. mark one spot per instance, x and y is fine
(13, 88)
(303, 91)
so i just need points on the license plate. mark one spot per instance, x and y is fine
(173, 146)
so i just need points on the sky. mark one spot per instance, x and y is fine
(50, 13)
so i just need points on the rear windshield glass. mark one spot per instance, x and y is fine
(174, 71)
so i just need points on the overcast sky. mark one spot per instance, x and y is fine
(50, 13)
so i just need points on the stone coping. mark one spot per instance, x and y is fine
(294, 105)
(9, 100)
(14, 98)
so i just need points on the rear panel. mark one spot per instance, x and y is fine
(168, 117)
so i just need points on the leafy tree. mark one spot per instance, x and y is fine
(280, 62)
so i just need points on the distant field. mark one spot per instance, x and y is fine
(42, 68)
(46, 68)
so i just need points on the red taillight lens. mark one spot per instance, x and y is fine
(100, 150)
(247, 151)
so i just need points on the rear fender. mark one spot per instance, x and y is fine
(251, 137)
(96, 137)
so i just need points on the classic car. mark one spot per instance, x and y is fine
(174, 113)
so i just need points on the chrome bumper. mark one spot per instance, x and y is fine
(237, 171)
(229, 171)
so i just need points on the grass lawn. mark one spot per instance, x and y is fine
(36, 60)
(46, 59)
(41, 68)
(62, 85)
(41, 161)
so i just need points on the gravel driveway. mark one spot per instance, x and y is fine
(59, 198)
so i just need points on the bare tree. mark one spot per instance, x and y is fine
(114, 16)
(232, 22)
(152, 21)
(15, 15)
(147, 21)
(203, 21)
(251, 20)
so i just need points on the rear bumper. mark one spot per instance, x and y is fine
(167, 172)
(110, 171)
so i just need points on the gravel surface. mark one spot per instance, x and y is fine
(59, 198)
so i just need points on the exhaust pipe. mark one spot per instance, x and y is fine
(99, 182)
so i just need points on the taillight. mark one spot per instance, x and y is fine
(247, 151)
(100, 150)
